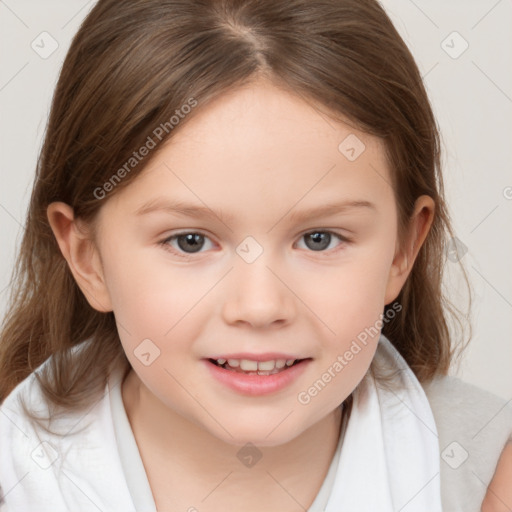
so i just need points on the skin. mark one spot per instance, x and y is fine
(499, 492)
(260, 154)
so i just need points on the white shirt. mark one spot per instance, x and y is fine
(135, 474)
(94, 465)
(91, 461)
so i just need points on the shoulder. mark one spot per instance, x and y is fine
(27, 402)
(38, 457)
(465, 408)
(22, 437)
(28, 398)
(461, 404)
(27, 395)
(23, 446)
(448, 387)
(474, 428)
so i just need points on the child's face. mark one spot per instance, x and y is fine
(261, 156)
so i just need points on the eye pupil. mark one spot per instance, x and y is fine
(318, 237)
(192, 242)
(196, 241)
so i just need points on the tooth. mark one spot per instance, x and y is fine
(234, 363)
(221, 361)
(266, 365)
(248, 366)
(280, 363)
(289, 362)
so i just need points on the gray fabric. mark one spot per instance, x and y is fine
(472, 423)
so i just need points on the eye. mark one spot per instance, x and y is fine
(189, 243)
(320, 240)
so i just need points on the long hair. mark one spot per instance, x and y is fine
(129, 74)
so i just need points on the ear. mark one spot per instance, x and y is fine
(81, 254)
(419, 226)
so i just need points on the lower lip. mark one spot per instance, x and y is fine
(256, 385)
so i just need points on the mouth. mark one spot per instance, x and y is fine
(256, 378)
(236, 368)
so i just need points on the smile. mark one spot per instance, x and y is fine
(256, 382)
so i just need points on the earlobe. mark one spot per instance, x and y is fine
(81, 255)
(403, 261)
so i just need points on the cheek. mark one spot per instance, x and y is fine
(352, 307)
(350, 295)
(148, 298)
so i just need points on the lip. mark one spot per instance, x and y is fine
(267, 356)
(257, 385)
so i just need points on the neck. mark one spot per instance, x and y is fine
(173, 448)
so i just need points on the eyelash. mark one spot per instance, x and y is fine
(189, 256)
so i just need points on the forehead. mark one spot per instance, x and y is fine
(266, 122)
(263, 147)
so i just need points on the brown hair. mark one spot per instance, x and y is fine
(129, 70)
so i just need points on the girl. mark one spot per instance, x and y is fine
(176, 341)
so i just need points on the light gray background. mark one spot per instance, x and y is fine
(472, 99)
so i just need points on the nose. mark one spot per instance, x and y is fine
(258, 296)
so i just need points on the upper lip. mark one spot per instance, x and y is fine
(267, 356)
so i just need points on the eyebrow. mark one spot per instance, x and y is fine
(203, 212)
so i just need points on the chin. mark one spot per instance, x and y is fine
(261, 437)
